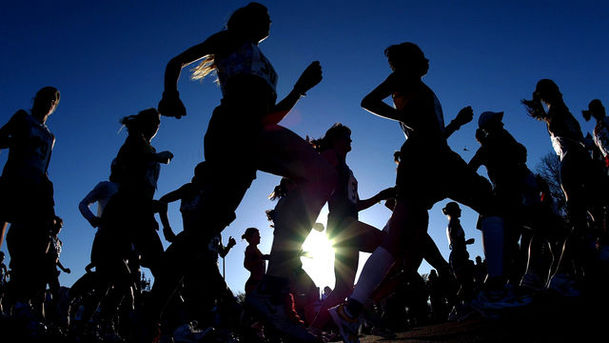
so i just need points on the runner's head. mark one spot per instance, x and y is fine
(202, 172)
(251, 235)
(251, 22)
(547, 91)
(407, 58)
(595, 109)
(338, 137)
(452, 209)
(146, 123)
(490, 121)
(281, 190)
(45, 103)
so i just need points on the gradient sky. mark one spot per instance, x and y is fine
(108, 59)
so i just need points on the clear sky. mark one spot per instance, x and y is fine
(108, 59)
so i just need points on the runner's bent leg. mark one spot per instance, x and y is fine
(282, 152)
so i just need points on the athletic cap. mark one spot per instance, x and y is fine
(487, 118)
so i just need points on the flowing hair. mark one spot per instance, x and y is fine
(239, 22)
(136, 122)
(281, 190)
(206, 67)
(545, 89)
(337, 131)
(249, 232)
(406, 55)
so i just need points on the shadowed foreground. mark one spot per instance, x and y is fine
(548, 319)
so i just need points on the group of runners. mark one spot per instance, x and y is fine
(515, 212)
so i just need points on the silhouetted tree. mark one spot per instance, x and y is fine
(549, 169)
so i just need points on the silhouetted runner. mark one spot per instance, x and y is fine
(247, 121)
(421, 182)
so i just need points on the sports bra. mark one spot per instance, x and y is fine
(248, 60)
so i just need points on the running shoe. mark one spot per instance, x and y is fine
(190, 333)
(347, 326)
(277, 315)
(36, 330)
(499, 299)
(532, 282)
(383, 332)
(460, 312)
(564, 285)
(25, 314)
(146, 331)
(109, 334)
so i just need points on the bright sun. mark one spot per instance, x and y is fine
(319, 259)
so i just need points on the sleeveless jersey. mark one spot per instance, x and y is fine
(455, 235)
(191, 206)
(426, 128)
(30, 147)
(565, 132)
(136, 166)
(247, 60)
(343, 202)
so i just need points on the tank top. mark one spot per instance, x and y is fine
(424, 129)
(30, 148)
(247, 60)
(565, 132)
(343, 202)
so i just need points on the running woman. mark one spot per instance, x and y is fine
(26, 201)
(131, 210)
(601, 129)
(517, 190)
(127, 222)
(51, 274)
(30, 143)
(580, 178)
(348, 234)
(186, 257)
(91, 288)
(100, 194)
(601, 140)
(513, 183)
(421, 182)
(302, 293)
(254, 260)
(247, 120)
(460, 264)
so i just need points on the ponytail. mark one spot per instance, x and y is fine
(337, 131)
(137, 122)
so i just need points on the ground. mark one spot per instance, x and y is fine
(548, 319)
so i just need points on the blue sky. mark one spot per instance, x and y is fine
(108, 59)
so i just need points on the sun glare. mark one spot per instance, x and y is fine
(318, 261)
